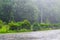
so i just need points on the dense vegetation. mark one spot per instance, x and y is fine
(25, 26)
(25, 15)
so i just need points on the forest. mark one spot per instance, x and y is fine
(28, 15)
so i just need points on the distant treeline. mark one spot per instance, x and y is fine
(19, 10)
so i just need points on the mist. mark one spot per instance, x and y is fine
(49, 9)
(33, 10)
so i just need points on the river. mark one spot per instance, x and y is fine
(38, 35)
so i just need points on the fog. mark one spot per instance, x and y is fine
(48, 8)
(47, 11)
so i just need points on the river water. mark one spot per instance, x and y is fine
(39, 35)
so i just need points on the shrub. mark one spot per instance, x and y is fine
(4, 29)
(1, 23)
(26, 25)
(44, 25)
(56, 26)
(13, 26)
(20, 25)
(23, 30)
(36, 27)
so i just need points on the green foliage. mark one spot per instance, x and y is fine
(24, 30)
(19, 10)
(56, 26)
(1, 23)
(26, 24)
(44, 25)
(36, 27)
(4, 29)
(14, 26)
(19, 25)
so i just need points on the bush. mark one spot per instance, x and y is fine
(23, 30)
(43, 26)
(20, 25)
(56, 26)
(1, 23)
(13, 26)
(4, 29)
(36, 27)
(26, 25)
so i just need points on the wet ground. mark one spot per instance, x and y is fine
(40, 35)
